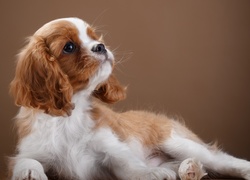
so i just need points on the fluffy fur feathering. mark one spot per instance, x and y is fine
(62, 128)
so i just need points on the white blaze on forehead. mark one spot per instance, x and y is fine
(82, 27)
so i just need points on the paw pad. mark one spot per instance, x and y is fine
(191, 169)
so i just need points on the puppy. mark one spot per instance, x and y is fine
(63, 128)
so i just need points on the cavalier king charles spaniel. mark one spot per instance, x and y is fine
(63, 80)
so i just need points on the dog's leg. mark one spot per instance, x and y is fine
(28, 169)
(118, 157)
(179, 146)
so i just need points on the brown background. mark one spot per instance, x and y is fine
(188, 59)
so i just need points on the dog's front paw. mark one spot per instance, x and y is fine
(29, 174)
(155, 174)
(190, 169)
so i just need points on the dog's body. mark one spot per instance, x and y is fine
(63, 128)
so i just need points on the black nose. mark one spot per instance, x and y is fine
(99, 48)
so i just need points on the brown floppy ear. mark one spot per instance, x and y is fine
(111, 91)
(39, 82)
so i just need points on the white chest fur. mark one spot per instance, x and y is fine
(60, 140)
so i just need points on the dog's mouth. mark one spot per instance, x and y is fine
(109, 57)
(104, 58)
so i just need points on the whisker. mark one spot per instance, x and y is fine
(122, 56)
(98, 18)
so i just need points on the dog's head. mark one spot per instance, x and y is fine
(63, 57)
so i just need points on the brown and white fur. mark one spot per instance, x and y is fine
(63, 128)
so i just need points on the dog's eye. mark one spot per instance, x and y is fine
(69, 48)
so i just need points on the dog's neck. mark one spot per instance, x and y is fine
(82, 100)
